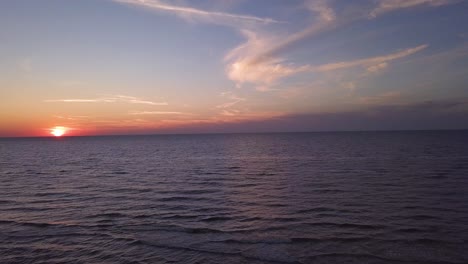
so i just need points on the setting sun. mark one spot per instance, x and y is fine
(58, 131)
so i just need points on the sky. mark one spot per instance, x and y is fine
(97, 67)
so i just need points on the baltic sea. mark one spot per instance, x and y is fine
(331, 197)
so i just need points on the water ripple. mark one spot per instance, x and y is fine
(254, 198)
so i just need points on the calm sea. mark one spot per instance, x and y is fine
(357, 197)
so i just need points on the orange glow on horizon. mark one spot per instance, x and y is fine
(58, 131)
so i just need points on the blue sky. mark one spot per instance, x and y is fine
(134, 66)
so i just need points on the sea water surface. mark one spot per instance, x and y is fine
(349, 197)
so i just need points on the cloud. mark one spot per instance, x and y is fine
(230, 112)
(351, 86)
(235, 115)
(194, 13)
(321, 7)
(380, 99)
(377, 68)
(80, 100)
(449, 114)
(234, 99)
(325, 20)
(71, 117)
(259, 60)
(242, 68)
(264, 73)
(228, 104)
(372, 64)
(245, 66)
(108, 99)
(381, 114)
(157, 113)
(386, 6)
(269, 71)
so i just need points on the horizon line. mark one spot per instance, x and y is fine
(234, 133)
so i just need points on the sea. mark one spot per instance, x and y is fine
(326, 197)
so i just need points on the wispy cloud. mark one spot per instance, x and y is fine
(373, 64)
(157, 113)
(108, 99)
(194, 13)
(321, 7)
(245, 66)
(386, 6)
(325, 19)
(234, 115)
(72, 117)
(267, 72)
(258, 60)
(348, 85)
(261, 61)
(234, 99)
(386, 98)
(231, 112)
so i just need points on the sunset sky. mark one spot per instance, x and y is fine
(152, 66)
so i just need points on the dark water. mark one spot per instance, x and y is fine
(373, 197)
